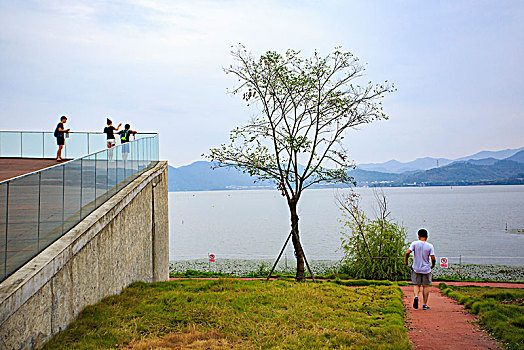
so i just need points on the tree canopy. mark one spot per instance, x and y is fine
(304, 108)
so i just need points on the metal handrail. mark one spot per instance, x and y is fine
(18, 148)
(63, 163)
(72, 132)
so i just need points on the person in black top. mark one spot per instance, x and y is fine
(124, 139)
(109, 130)
(60, 137)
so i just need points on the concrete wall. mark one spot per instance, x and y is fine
(123, 241)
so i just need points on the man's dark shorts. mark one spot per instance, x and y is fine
(60, 141)
(420, 278)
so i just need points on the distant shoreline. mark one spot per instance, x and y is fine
(346, 187)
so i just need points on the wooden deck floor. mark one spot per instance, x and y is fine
(13, 167)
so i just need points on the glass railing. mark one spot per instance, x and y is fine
(38, 208)
(37, 144)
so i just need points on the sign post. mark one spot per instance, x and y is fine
(444, 263)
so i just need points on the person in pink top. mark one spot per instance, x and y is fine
(421, 269)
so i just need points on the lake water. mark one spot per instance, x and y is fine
(466, 223)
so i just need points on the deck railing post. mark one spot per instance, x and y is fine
(39, 205)
(63, 196)
(81, 184)
(6, 228)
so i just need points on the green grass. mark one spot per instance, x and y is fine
(501, 310)
(243, 315)
(450, 278)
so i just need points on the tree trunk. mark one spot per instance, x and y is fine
(299, 253)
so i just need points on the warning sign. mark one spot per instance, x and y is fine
(211, 257)
(444, 263)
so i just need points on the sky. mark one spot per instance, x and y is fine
(158, 65)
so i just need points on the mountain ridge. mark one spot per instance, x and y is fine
(199, 176)
(425, 163)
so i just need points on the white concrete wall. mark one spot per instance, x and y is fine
(123, 241)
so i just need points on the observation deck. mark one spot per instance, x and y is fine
(41, 199)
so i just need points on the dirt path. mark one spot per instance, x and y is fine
(446, 326)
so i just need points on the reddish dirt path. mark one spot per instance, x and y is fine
(445, 326)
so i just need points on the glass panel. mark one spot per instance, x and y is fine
(157, 148)
(51, 205)
(126, 156)
(22, 221)
(101, 177)
(120, 167)
(88, 185)
(135, 158)
(75, 145)
(111, 171)
(97, 142)
(32, 145)
(132, 163)
(10, 144)
(142, 153)
(72, 193)
(153, 146)
(50, 146)
(150, 151)
(3, 216)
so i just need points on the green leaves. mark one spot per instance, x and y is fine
(373, 248)
(304, 107)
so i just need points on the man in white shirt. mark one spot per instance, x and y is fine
(421, 269)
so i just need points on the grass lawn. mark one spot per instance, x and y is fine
(235, 314)
(501, 310)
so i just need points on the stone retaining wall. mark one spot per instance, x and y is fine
(123, 241)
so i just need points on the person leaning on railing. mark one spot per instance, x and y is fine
(60, 137)
(124, 139)
(109, 131)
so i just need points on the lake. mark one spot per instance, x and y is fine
(466, 223)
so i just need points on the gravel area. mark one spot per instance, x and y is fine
(491, 272)
(240, 267)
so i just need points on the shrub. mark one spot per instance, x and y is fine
(373, 248)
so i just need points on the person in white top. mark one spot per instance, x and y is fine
(421, 269)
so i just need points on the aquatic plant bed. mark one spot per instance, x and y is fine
(501, 310)
(239, 314)
(250, 267)
(260, 268)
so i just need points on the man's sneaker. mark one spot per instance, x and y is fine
(415, 303)
(425, 307)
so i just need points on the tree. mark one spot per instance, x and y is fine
(373, 248)
(305, 107)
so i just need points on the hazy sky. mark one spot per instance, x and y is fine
(458, 67)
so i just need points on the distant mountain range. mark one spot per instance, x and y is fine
(486, 167)
(394, 166)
